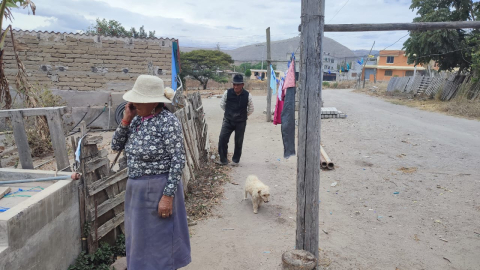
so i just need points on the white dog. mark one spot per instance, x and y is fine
(258, 191)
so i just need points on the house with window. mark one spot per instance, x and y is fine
(389, 64)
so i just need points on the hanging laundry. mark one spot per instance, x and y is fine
(277, 115)
(329, 72)
(288, 112)
(273, 80)
(348, 67)
(175, 64)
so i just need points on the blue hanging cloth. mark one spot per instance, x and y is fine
(273, 80)
(175, 66)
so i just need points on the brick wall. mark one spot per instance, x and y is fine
(87, 63)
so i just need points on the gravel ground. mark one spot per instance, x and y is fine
(407, 193)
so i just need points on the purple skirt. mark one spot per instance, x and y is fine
(152, 242)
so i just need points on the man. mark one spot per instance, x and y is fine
(238, 105)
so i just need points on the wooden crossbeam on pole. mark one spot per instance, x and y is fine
(423, 26)
(401, 26)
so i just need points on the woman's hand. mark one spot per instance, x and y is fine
(129, 113)
(165, 206)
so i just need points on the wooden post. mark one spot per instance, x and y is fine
(308, 169)
(55, 125)
(21, 139)
(364, 64)
(269, 72)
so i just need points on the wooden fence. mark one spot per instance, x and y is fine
(102, 192)
(53, 116)
(448, 87)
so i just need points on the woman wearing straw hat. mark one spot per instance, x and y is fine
(157, 236)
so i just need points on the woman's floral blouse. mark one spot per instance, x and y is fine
(153, 146)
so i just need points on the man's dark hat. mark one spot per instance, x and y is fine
(238, 79)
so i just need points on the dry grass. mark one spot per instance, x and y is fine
(460, 107)
(206, 190)
(339, 85)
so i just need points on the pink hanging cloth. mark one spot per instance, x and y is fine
(277, 116)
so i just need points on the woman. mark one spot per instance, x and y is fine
(156, 227)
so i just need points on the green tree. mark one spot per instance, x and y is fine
(248, 73)
(205, 65)
(449, 48)
(113, 28)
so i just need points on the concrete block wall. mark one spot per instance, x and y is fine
(87, 63)
(84, 70)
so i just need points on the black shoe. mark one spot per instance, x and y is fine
(221, 163)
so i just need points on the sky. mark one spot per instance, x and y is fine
(229, 23)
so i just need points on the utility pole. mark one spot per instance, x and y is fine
(308, 169)
(364, 74)
(269, 75)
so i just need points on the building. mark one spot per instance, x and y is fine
(391, 63)
(261, 74)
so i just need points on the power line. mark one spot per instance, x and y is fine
(338, 11)
(396, 41)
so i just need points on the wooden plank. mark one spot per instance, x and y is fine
(95, 164)
(109, 204)
(4, 190)
(401, 26)
(32, 111)
(187, 135)
(21, 139)
(193, 132)
(93, 140)
(308, 171)
(55, 125)
(108, 226)
(101, 184)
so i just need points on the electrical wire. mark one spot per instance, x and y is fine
(338, 11)
(396, 41)
(80, 119)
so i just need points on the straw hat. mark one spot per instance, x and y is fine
(149, 89)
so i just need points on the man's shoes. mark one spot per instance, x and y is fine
(234, 164)
(221, 163)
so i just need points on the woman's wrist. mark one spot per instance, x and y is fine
(168, 197)
(125, 122)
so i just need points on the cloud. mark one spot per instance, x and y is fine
(204, 23)
(26, 22)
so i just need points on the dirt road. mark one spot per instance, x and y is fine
(431, 160)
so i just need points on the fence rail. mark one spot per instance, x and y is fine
(447, 87)
(53, 116)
